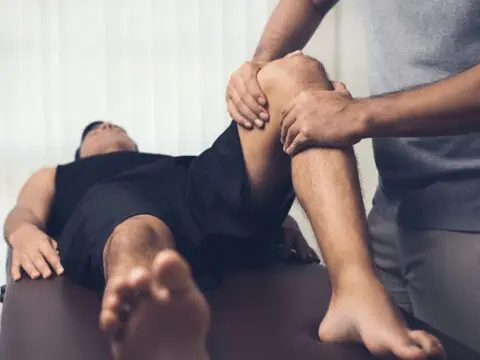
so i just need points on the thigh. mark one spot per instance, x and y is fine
(218, 193)
(385, 247)
(443, 273)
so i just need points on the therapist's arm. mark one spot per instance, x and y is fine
(289, 28)
(448, 107)
(335, 119)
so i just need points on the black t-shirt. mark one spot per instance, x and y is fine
(73, 180)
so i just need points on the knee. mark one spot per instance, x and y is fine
(301, 69)
(301, 63)
(145, 226)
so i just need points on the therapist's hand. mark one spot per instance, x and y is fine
(245, 99)
(34, 252)
(322, 118)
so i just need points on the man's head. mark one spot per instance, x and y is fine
(101, 137)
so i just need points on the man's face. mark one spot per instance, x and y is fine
(105, 138)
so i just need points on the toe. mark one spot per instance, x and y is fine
(118, 292)
(115, 305)
(406, 350)
(111, 302)
(120, 287)
(429, 343)
(109, 322)
(170, 271)
(398, 344)
(139, 281)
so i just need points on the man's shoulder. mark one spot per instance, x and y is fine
(44, 174)
(43, 178)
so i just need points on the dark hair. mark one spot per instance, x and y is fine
(85, 132)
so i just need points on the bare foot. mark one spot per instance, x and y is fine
(156, 313)
(364, 313)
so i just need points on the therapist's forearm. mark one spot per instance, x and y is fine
(448, 107)
(291, 25)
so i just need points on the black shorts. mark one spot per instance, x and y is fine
(204, 200)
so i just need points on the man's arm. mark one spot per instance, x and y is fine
(448, 107)
(290, 27)
(33, 203)
(24, 230)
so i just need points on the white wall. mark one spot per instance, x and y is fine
(157, 67)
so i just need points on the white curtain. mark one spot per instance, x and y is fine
(157, 67)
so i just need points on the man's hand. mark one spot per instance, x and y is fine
(33, 251)
(294, 243)
(321, 118)
(246, 101)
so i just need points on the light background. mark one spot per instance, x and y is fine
(157, 67)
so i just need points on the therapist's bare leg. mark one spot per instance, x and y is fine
(151, 308)
(327, 186)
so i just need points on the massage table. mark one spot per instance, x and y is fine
(269, 313)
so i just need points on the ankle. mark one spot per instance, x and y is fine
(354, 281)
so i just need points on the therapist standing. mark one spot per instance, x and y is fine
(424, 118)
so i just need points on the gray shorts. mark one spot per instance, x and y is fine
(435, 274)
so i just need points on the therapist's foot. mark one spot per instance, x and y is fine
(156, 313)
(363, 312)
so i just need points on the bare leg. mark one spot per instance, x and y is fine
(327, 186)
(151, 308)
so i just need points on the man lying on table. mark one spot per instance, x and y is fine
(128, 224)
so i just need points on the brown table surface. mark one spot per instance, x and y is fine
(256, 315)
